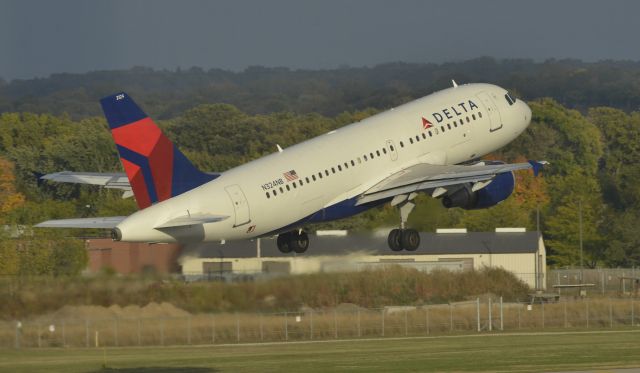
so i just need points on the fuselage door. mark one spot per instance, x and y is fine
(393, 152)
(240, 205)
(492, 111)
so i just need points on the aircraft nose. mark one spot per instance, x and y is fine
(526, 110)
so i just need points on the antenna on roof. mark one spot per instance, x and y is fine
(455, 85)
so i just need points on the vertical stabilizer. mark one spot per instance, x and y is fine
(156, 168)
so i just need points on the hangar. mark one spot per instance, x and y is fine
(513, 249)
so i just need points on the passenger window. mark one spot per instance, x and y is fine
(346, 165)
(288, 188)
(442, 128)
(461, 122)
(365, 157)
(274, 193)
(430, 134)
(307, 180)
(339, 168)
(449, 125)
(424, 136)
(411, 140)
(313, 177)
(353, 163)
(479, 114)
(294, 185)
(378, 153)
(401, 144)
(417, 138)
(268, 195)
(391, 147)
(333, 170)
(384, 150)
(371, 155)
(473, 116)
(320, 174)
(281, 190)
(301, 183)
(326, 172)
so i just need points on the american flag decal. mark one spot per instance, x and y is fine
(290, 175)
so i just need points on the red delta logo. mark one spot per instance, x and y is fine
(426, 124)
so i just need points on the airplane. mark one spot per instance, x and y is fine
(431, 145)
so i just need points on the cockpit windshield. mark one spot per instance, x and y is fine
(510, 98)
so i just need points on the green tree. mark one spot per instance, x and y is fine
(623, 239)
(619, 171)
(9, 258)
(575, 192)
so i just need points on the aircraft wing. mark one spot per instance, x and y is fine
(425, 176)
(107, 222)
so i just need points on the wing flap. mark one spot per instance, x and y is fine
(106, 222)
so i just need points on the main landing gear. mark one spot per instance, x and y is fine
(404, 239)
(296, 241)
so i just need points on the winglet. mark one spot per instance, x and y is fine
(537, 166)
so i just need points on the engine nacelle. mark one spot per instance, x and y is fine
(497, 191)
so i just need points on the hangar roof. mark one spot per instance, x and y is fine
(431, 244)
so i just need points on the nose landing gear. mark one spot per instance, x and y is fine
(296, 241)
(404, 239)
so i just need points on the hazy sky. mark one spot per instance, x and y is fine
(38, 38)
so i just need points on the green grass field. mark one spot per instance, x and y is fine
(500, 352)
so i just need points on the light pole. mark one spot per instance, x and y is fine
(580, 238)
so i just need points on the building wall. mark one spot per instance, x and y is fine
(130, 258)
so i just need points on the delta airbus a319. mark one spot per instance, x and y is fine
(430, 145)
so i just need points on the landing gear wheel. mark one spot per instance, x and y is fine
(283, 242)
(394, 240)
(410, 239)
(299, 242)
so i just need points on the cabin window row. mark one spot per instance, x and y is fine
(309, 179)
(443, 128)
(333, 170)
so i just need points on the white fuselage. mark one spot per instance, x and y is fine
(260, 200)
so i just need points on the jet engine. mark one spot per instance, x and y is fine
(497, 191)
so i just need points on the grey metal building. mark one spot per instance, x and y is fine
(520, 252)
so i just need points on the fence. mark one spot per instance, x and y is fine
(340, 323)
(605, 280)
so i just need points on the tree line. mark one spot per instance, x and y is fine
(261, 90)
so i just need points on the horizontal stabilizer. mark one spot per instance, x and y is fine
(191, 219)
(106, 222)
(114, 180)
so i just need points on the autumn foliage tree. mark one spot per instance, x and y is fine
(10, 198)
